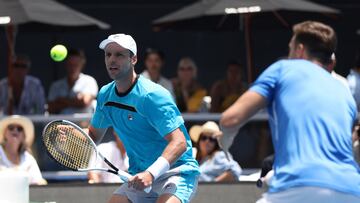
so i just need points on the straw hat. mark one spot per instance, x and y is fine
(20, 120)
(209, 127)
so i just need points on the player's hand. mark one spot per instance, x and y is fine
(227, 136)
(141, 180)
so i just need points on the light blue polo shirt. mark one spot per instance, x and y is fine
(142, 117)
(311, 118)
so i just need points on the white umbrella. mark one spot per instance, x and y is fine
(41, 14)
(221, 15)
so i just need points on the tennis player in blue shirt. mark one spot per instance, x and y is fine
(150, 125)
(311, 116)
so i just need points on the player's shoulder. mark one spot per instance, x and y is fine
(106, 89)
(148, 86)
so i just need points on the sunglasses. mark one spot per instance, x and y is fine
(17, 127)
(211, 139)
(187, 68)
(20, 65)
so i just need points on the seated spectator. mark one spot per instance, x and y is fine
(154, 62)
(76, 92)
(21, 93)
(226, 91)
(214, 165)
(16, 138)
(115, 152)
(354, 81)
(189, 93)
(356, 142)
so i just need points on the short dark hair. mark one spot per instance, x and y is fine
(319, 40)
(76, 52)
(154, 51)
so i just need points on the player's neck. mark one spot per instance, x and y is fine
(123, 85)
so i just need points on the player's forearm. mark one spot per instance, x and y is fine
(175, 148)
(245, 107)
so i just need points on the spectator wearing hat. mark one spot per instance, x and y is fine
(21, 93)
(16, 138)
(214, 164)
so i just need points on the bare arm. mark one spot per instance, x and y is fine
(243, 109)
(227, 176)
(96, 134)
(176, 146)
(80, 101)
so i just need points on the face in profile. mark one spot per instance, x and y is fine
(292, 49)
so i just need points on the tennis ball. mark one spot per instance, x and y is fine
(58, 52)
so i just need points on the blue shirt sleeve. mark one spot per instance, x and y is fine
(267, 81)
(99, 119)
(162, 112)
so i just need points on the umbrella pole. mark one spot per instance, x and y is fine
(248, 48)
(10, 34)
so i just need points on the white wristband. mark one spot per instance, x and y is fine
(159, 167)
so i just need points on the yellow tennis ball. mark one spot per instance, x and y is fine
(58, 52)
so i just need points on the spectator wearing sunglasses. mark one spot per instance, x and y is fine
(21, 93)
(16, 138)
(214, 165)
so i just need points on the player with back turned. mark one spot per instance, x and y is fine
(311, 116)
(150, 125)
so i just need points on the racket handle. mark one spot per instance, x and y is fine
(125, 177)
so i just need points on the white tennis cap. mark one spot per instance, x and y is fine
(123, 40)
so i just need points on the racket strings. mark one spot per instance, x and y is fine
(70, 147)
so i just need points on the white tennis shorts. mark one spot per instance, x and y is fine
(182, 186)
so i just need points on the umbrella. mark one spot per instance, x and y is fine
(236, 14)
(40, 15)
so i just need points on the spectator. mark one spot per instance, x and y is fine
(76, 92)
(225, 92)
(354, 81)
(356, 142)
(189, 93)
(21, 93)
(154, 62)
(115, 152)
(16, 138)
(214, 165)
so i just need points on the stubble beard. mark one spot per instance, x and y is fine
(122, 75)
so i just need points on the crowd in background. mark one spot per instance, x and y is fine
(22, 94)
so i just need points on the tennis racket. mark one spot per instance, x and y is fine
(73, 148)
